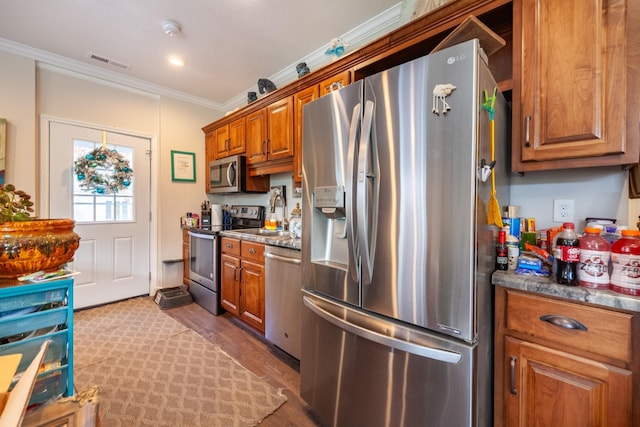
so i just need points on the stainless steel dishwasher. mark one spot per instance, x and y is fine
(283, 299)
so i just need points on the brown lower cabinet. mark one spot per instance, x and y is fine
(242, 280)
(185, 256)
(562, 363)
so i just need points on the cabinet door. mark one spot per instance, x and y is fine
(230, 283)
(185, 256)
(252, 294)
(301, 98)
(236, 136)
(210, 155)
(570, 80)
(546, 387)
(256, 136)
(280, 129)
(334, 82)
(222, 142)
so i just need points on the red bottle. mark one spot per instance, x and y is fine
(625, 257)
(567, 255)
(593, 271)
(502, 256)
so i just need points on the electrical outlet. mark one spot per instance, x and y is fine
(562, 210)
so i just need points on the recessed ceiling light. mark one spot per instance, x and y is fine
(178, 62)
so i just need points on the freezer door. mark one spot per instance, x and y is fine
(331, 126)
(422, 228)
(361, 370)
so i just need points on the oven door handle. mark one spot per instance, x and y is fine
(202, 236)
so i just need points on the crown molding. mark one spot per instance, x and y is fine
(378, 25)
(51, 61)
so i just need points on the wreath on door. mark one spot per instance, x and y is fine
(103, 171)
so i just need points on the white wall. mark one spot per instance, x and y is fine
(597, 192)
(17, 105)
(30, 90)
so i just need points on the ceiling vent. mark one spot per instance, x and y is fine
(107, 61)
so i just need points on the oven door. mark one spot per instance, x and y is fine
(204, 283)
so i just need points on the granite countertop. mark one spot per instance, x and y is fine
(281, 241)
(547, 286)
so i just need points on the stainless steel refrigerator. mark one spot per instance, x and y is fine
(397, 252)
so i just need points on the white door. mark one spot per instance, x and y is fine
(113, 257)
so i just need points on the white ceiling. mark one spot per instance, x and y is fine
(227, 44)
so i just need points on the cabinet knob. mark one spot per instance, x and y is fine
(252, 251)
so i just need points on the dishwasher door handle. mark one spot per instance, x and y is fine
(283, 259)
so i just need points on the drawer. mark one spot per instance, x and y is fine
(253, 251)
(13, 304)
(230, 246)
(56, 355)
(607, 333)
(13, 327)
(50, 384)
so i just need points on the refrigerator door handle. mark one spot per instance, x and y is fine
(365, 203)
(351, 170)
(409, 347)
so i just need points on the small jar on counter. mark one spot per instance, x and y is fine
(295, 223)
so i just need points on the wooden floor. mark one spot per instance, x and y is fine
(255, 353)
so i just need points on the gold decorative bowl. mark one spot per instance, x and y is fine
(39, 244)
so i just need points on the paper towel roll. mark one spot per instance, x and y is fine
(216, 215)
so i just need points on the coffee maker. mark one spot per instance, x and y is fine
(205, 218)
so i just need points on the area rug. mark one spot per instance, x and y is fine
(153, 371)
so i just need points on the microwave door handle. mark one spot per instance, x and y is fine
(230, 177)
(356, 119)
(385, 340)
(366, 210)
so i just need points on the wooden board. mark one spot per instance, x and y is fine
(472, 28)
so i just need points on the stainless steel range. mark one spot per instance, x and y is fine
(204, 259)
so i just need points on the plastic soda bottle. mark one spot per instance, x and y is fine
(595, 251)
(567, 255)
(625, 257)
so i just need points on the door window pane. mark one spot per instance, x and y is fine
(91, 207)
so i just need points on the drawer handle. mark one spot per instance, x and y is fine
(229, 245)
(512, 364)
(252, 251)
(563, 322)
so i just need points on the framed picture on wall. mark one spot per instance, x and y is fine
(183, 166)
(3, 147)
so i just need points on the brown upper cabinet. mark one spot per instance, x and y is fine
(230, 139)
(270, 132)
(572, 95)
(300, 99)
(210, 155)
(570, 69)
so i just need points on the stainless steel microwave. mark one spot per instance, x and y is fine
(227, 175)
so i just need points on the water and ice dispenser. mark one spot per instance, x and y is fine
(329, 226)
